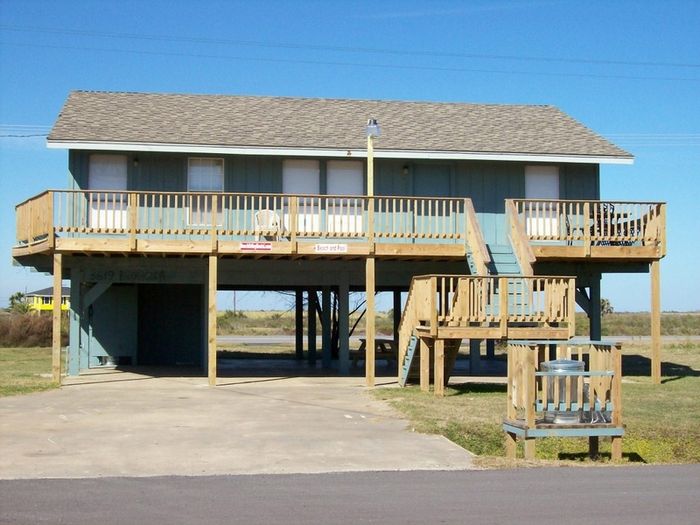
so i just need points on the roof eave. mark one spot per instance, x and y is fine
(337, 152)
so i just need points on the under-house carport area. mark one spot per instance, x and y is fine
(161, 311)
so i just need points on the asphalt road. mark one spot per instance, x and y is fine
(615, 495)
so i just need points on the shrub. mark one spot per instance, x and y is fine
(25, 330)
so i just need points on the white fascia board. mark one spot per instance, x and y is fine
(349, 153)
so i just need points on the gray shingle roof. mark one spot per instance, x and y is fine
(281, 122)
(48, 291)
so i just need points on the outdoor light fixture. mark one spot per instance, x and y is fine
(373, 129)
(404, 170)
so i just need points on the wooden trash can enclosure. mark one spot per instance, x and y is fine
(577, 394)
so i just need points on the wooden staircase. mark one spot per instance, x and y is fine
(442, 310)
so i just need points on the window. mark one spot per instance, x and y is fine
(303, 177)
(542, 182)
(344, 178)
(345, 214)
(204, 175)
(107, 176)
(107, 172)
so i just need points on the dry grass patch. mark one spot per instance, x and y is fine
(25, 370)
(662, 421)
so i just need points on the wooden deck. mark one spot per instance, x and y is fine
(249, 225)
(332, 226)
(441, 309)
(574, 230)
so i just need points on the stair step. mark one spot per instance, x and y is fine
(408, 359)
(503, 258)
(500, 248)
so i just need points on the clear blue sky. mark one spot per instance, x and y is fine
(629, 70)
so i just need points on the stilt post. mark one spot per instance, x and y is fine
(655, 323)
(326, 326)
(594, 313)
(370, 326)
(299, 324)
(211, 315)
(397, 315)
(311, 324)
(56, 325)
(344, 326)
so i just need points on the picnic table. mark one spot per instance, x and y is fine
(384, 348)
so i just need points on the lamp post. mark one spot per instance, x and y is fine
(373, 131)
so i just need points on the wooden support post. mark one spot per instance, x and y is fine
(594, 314)
(397, 315)
(326, 326)
(490, 349)
(511, 445)
(56, 325)
(529, 448)
(439, 368)
(369, 323)
(211, 315)
(293, 222)
(74, 319)
(424, 365)
(133, 202)
(214, 221)
(299, 324)
(474, 356)
(344, 325)
(503, 305)
(655, 323)
(311, 325)
(593, 442)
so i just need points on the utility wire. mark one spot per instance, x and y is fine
(350, 64)
(24, 136)
(345, 49)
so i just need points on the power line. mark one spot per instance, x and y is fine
(346, 49)
(24, 136)
(351, 64)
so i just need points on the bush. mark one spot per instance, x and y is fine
(25, 330)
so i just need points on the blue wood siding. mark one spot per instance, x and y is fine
(579, 181)
(488, 184)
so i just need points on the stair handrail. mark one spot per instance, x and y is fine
(519, 240)
(406, 324)
(475, 240)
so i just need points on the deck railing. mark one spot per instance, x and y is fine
(592, 223)
(477, 301)
(260, 216)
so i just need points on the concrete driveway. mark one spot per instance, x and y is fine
(114, 423)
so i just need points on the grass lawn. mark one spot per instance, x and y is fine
(25, 370)
(662, 421)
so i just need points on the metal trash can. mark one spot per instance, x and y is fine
(562, 366)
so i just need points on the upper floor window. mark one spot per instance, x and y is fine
(541, 182)
(301, 176)
(107, 205)
(107, 172)
(205, 174)
(344, 177)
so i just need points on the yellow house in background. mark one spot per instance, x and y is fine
(42, 300)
